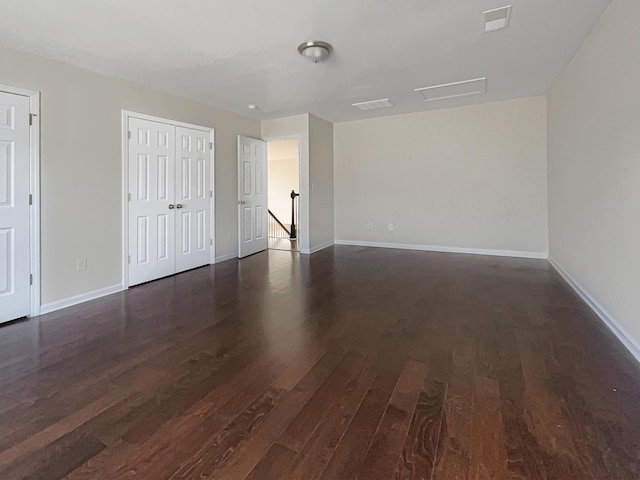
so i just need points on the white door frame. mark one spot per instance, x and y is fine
(34, 178)
(302, 190)
(126, 114)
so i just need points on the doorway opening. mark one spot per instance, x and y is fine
(283, 194)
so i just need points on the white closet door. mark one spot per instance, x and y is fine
(193, 205)
(152, 200)
(252, 190)
(14, 206)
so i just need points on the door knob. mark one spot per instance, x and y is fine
(171, 206)
(179, 205)
(241, 202)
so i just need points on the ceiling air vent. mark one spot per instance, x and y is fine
(374, 104)
(447, 91)
(497, 19)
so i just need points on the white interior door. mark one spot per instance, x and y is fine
(151, 200)
(14, 206)
(193, 205)
(252, 193)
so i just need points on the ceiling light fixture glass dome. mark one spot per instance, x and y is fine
(315, 51)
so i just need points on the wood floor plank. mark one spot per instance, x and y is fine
(215, 372)
(406, 391)
(355, 442)
(56, 460)
(421, 446)
(274, 464)
(298, 369)
(524, 454)
(59, 429)
(26, 419)
(392, 349)
(488, 459)
(311, 462)
(545, 412)
(204, 419)
(203, 374)
(217, 449)
(386, 446)
(248, 454)
(298, 432)
(452, 459)
(102, 465)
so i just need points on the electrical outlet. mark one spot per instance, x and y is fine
(81, 264)
(371, 226)
(391, 227)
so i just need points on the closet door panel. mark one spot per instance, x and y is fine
(193, 198)
(151, 200)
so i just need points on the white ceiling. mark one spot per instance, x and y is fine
(229, 53)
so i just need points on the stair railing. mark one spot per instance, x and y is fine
(277, 228)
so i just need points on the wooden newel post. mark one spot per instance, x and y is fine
(293, 233)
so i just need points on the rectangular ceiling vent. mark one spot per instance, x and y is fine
(374, 104)
(477, 86)
(497, 19)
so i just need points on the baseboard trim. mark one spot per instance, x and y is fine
(224, 258)
(599, 310)
(317, 248)
(432, 248)
(75, 300)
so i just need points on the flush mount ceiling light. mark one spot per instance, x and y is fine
(315, 51)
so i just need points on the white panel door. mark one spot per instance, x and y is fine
(252, 192)
(14, 206)
(193, 205)
(151, 201)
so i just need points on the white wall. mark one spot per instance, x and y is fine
(321, 179)
(283, 177)
(594, 167)
(463, 178)
(295, 127)
(81, 167)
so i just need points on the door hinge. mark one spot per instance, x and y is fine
(129, 134)
(30, 279)
(31, 115)
(211, 242)
(129, 196)
(30, 199)
(129, 259)
(210, 145)
(210, 193)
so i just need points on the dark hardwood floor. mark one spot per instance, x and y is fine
(351, 363)
(283, 244)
